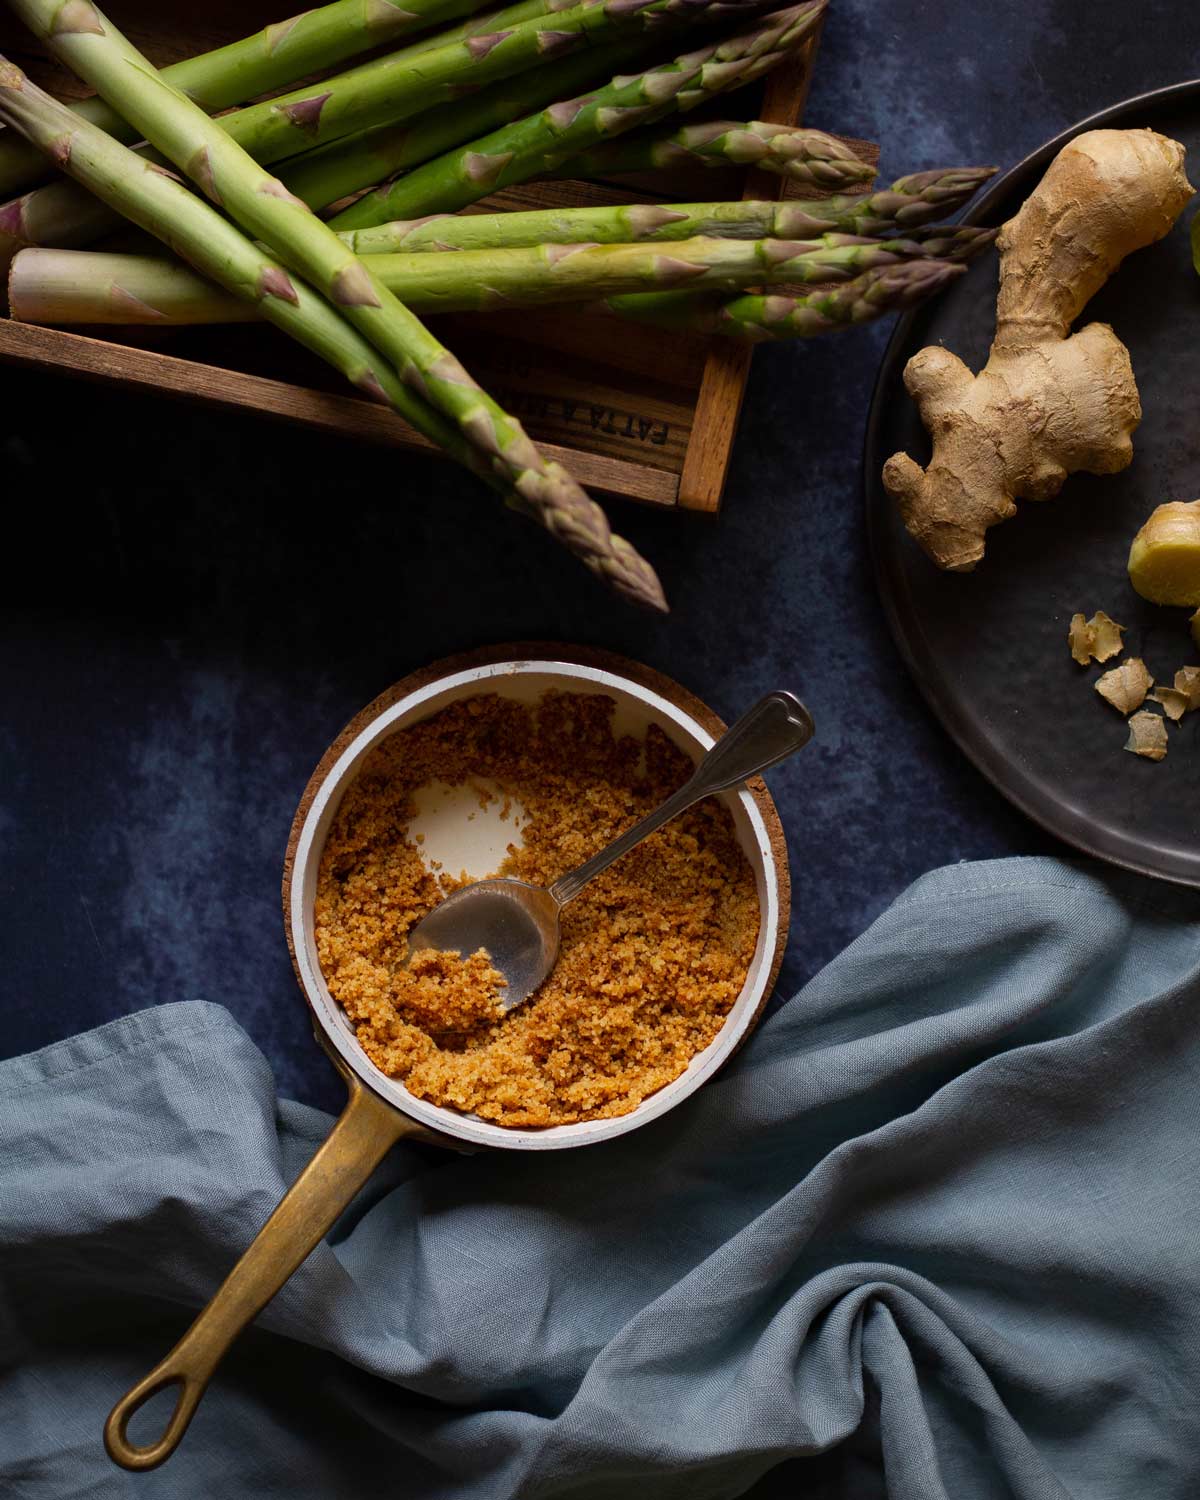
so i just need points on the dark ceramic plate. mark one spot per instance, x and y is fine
(989, 648)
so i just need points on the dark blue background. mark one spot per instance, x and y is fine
(194, 604)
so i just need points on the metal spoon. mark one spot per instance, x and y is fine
(518, 923)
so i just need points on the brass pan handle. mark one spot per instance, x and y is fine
(364, 1132)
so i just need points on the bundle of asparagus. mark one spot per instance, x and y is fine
(401, 143)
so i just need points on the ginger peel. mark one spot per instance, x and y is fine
(1147, 736)
(1164, 560)
(1096, 639)
(1048, 403)
(1126, 686)
(1187, 682)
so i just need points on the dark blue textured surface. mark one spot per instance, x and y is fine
(195, 604)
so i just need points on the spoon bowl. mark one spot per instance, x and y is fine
(517, 924)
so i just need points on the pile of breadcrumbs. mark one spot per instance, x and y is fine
(654, 951)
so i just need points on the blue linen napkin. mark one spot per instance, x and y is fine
(935, 1234)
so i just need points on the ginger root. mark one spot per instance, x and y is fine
(1048, 403)
(1164, 560)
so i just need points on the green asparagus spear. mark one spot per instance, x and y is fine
(879, 213)
(378, 95)
(80, 286)
(403, 84)
(529, 10)
(801, 155)
(761, 318)
(88, 42)
(342, 168)
(540, 142)
(270, 59)
(909, 203)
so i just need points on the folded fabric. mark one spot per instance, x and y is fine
(934, 1234)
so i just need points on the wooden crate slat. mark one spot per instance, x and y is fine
(24, 344)
(723, 384)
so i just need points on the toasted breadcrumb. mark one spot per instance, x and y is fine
(654, 952)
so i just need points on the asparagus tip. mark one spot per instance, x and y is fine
(275, 282)
(352, 286)
(12, 219)
(305, 114)
(77, 17)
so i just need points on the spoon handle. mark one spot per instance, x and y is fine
(776, 727)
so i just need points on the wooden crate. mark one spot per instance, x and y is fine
(630, 410)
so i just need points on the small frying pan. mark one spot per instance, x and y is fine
(380, 1110)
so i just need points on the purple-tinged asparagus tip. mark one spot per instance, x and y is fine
(12, 219)
(451, 370)
(137, 309)
(661, 88)
(402, 228)
(555, 253)
(273, 188)
(369, 384)
(614, 121)
(384, 15)
(565, 113)
(412, 377)
(712, 130)
(484, 170)
(480, 430)
(77, 17)
(645, 218)
(275, 282)
(59, 148)
(555, 43)
(671, 271)
(274, 36)
(523, 453)
(353, 286)
(305, 114)
(480, 46)
(199, 169)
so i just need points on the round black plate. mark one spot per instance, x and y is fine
(989, 648)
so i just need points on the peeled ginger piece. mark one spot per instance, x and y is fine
(1164, 561)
